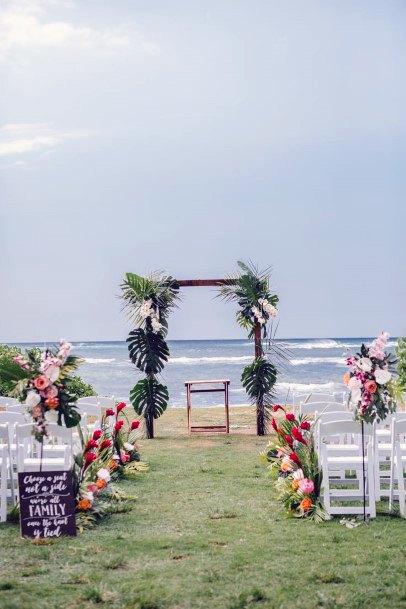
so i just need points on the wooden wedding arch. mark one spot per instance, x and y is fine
(209, 283)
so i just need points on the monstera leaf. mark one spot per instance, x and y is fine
(149, 398)
(258, 379)
(148, 351)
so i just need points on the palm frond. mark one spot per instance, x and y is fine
(148, 351)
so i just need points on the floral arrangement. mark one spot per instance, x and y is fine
(39, 380)
(124, 437)
(100, 464)
(371, 381)
(148, 302)
(294, 466)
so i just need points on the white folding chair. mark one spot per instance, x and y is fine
(6, 401)
(321, 406)
(86, 411)
(5, 472)
(333, 497)
(383, 453)
(398, 462)
(21, 408)
(50, 456)
(12, 419)
(102, 402)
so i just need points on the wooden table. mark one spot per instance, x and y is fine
(224, 389)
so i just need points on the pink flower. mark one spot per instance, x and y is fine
(124, 457)
(36, 412)
(41, 382)
(51, 392)
(306, 486)
(354, 383)
(370, 386)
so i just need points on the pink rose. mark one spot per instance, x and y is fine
(306, 486)
(41, 382)
(51, 392)
(370, 386)
(36, 412)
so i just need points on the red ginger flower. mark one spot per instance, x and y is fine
(293, 457)
(289, 440)
(135, 425)
(105, 444)
(290, 416)
(91, 444)
(274, 425)
(298, 435)
(305, 425)
(90, 457)
(120, 406)
(277, 407)
(118, 426)
(110, 412)
(97, 434)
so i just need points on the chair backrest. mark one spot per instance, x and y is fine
(59, 433)
(312, 407)
(334, 415)
(100, 401)
(6, 401)
(91, 409)
(4, 433)
(333, 428)
(398, 424)
(22, 408)
(12, 417)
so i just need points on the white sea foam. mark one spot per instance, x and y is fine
(339, 361)
(303, 387)
(321, 344)
(211, 360)
(99, 360)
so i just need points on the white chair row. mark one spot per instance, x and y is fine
(20, 452)
(339, 444)
(305, 403)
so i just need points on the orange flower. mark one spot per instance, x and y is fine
(52, 403)
(306, 504)
(295, 485)
(346, 378)
(286, 466)
(113, 464)
(84, 505)
(101, 483)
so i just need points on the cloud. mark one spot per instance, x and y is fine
(21, 139)
(27, 26)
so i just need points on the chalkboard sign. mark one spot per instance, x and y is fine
(47, 506)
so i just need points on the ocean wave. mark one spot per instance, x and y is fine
(321, 344)
(211, 360)
(303, 387)
(99, 360)
(339, 361)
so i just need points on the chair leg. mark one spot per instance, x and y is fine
(371, 482)
(401, 481)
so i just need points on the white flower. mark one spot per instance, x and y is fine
(382, 376)
(33, 398)
(88, 495)
(365, 364)
(103, 474)
(51, 416)
(128, 446)
(52, 373)
(298, 474)
(355, 395)
(354, 383)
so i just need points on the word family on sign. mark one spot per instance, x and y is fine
(47, 507)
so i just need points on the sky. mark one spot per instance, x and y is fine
(181, 136)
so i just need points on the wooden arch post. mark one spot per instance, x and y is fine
(188, 283)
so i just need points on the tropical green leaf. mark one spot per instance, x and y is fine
(258, 379)
(148, 351)
(149, 398)
(11, 371)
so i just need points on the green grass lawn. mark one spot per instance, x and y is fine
(206, 533)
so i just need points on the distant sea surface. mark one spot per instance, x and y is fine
(315, 365)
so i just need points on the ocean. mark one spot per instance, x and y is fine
(315, 365)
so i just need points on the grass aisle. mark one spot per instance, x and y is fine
(204, 533)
